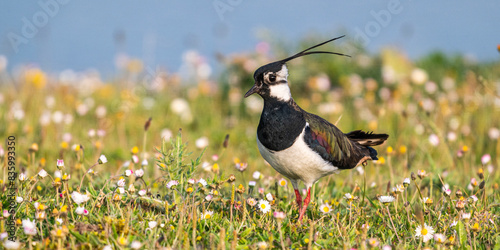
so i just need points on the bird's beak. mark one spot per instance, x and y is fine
(253, 90)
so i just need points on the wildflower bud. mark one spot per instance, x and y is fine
(459, 194)
(251, 202)
(481, 185)
(147, 124)
(373, 242)
(413, 176)
(460, 205)
(34, 148)
(406, 204)
(447, 192)
(226, 141)
(241, 189)
(480, 173)
(231, 178)
(473, 182)
(421, 174)
(406, 182)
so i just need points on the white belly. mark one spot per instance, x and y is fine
(298, 162)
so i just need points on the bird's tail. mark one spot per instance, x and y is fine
(373, 153)
(367, 138)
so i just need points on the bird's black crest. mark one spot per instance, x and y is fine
(276, 66)
(307, 52)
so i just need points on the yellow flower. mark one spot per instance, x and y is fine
(122, 241)
(64, 208)
(306, 240)
(64, 145)
(381, 160)
(282, 182)
(402, 149)
(215, 167)
(476, 227)
(390, 150)
(465, 148)
(36, 77)
(134, 150)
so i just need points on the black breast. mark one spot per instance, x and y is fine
(280, 124)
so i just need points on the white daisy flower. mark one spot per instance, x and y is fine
(172, 184)
(19, 199)
(202, 181)
(264, 206)
(43, 173)
(453, 224)
(386, 199)
(427, 232)
(102, 159)
(439, 238)
(282, 182)
(256, 175)
(473, 198)
(262, 245)
(22, 177)
(144, 162)
(142, 192)
(325, 208)
(251, 183)
(79, 198)
(485, 159)
(269, 197)
(152, 224)
(135, 244)
(348, 196)
(121, 183)
(139, 173)
(79, 210)
(128, 172)
(29, 227)
(406, 181)
(8, 244)
(207, 215)
(466, 216)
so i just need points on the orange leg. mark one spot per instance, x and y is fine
(306, 202)
(298, 198)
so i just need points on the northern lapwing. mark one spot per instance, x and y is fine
(299, 145)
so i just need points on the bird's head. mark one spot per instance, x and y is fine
(271, 79)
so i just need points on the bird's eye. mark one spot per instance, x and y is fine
(272, 78)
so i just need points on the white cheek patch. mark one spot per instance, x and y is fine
(280, 91)
(283, 73)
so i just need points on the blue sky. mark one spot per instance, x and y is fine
(79, 35)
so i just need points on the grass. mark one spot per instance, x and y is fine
(442, 115)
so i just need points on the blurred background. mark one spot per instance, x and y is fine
(80, 35)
